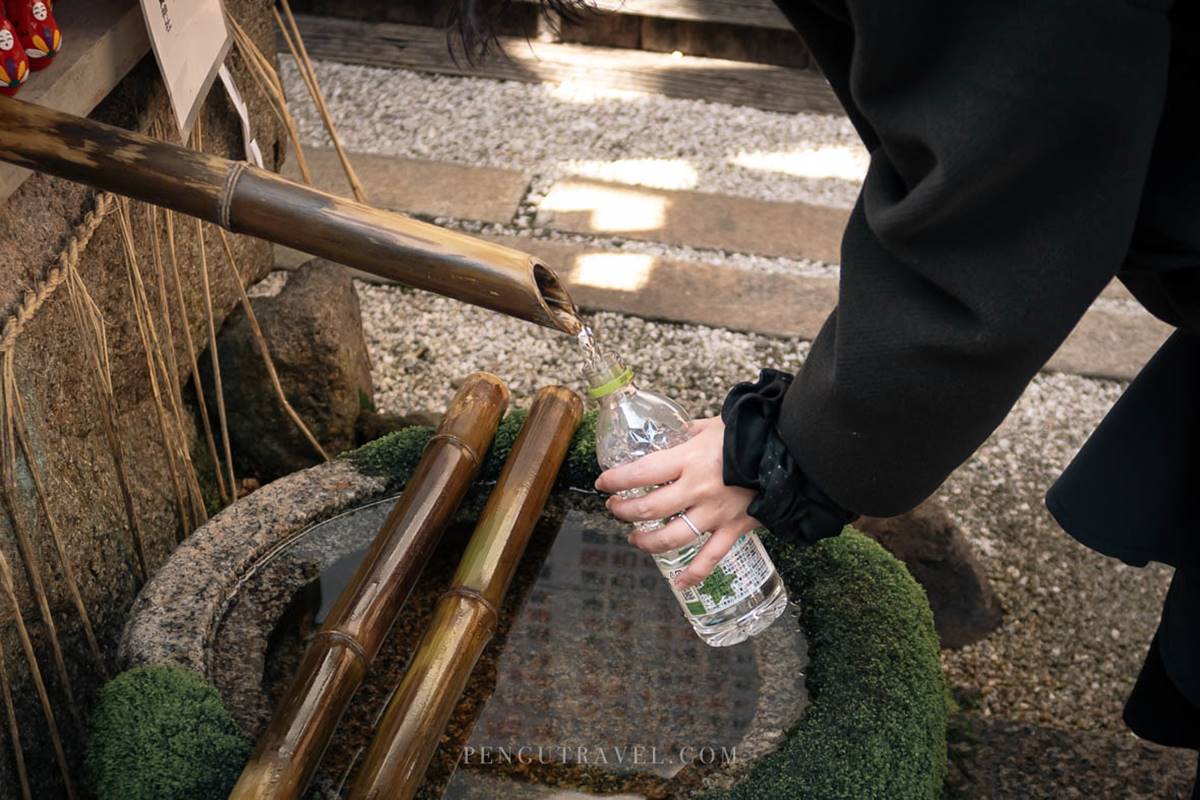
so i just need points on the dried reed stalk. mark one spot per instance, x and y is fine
(164, 307)
(214, 358)
(8, 490)
(264, 351)
(90, 326)
(190, 346)
(64, 559)
(268, 80)
(295, 44)
(140, 312)
(10, 589)
(164, 354)
(14, 730)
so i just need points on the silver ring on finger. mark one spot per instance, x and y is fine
(695, 531)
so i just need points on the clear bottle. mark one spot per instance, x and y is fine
(744, 594)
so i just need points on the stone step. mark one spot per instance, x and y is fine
(416, 186)
(739, 30)
(695, 219)
(382, 44)
(746, 13)
(775, 304)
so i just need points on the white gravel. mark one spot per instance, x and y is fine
(625, 137)
(419, 362)
(1077, 624)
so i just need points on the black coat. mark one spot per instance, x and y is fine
(1023, 153)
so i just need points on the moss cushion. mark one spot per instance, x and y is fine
(162, 733)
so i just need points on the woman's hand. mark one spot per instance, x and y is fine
(690, 478)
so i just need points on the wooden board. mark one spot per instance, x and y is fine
(718, 40)
(516, 19)
(749, 13)
(734, 82)
(102, 41)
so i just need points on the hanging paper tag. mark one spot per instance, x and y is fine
(253, 152)
(190, 41)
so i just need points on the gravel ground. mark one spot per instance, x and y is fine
(418, 364)
(624, 137)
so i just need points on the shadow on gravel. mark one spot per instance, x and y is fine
(1000, 759)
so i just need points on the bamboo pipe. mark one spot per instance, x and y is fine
(291, 747)
(465, 617)
(245, 199)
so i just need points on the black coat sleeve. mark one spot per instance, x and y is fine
(1009, 143)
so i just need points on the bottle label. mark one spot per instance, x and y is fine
(738, 575)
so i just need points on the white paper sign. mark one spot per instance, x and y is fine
(253, 151)
(190, 41)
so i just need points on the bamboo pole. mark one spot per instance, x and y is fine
(246, 199)
(465, 617)
(290, 749)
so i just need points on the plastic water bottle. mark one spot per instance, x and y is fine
(744, 593)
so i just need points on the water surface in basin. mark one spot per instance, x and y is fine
(594, 681)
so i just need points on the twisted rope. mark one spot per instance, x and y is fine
(60, 269)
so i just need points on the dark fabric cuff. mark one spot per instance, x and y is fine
(755, 457)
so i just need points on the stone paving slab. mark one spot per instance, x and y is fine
(696, 219)
(738, 83)
(433, 188)
(688, 292)
(1110, 344)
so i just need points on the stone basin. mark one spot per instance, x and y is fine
(593, 684)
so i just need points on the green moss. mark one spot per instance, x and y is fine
(580, 469)
(396, 455)
(162, 733)
(877, 725)
(393, 456)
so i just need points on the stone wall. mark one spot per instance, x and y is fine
(67, 437)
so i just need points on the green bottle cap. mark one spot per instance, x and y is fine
(614, 383)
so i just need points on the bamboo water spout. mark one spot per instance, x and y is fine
(465, 617)
(245, 199)
(302, 726)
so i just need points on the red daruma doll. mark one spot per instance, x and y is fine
(14, 64)
(37, 31)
